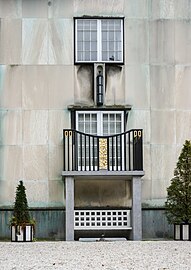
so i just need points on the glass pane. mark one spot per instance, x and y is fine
(80, 35)
(104, 25)
(94, 36)
(119, 56)
(104, 35)
(111, 24)
(104, 46)
(111, 35)
(112, 117)
(105, 117)
(87, 117)
(81, 127)
(111, 46)
(80, 24)
(87, 36)
(86, 24)
(118, 127)
(80, 46)
(93, 56)
(87, 46)
(94, 117)
(87, 56)
(104, 56)
(118, 36)
(80, 56)
(94, 25)
(118, 117)
(93, 46)
(118, 24)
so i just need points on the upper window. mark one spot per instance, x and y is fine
(99, 40)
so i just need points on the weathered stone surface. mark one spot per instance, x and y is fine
(55, 162)
(58, 120)
(61, 86)
(183, 41)
(10, 41)
(183, 126)
(10, 9)
(140, 119)
(162, 46)
(162, 85)
(115, 86)
(10, 127)
(137, 86)
(35, 162)
(163, 161)
(136, 8)
(40, 194)
(136, 33)
(35, 127)
(11, 163)
(34, 41)
(35, 87)
(61, 49)
(163, 127)
(60, 9)
(183, 82)
(56, 193)
(102, 7)
(162, 9)
(182, 9)
(83, 85)
(35, 8)
(101, 193)
(10, 87)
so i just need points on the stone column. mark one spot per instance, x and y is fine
(69, 185)
(136, 208)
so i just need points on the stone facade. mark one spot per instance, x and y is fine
(38, 80)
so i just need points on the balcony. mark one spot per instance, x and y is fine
(85, 152)
(90, 157)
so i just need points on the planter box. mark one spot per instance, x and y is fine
(182, 232)
(22, 235)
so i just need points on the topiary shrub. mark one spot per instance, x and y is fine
(178, 204)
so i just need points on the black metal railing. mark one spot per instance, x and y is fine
(85, 152)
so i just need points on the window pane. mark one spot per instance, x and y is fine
(104, 35)
(94, 36)
(80, 56)
(87, 56)
(104, 46)
(80, 36)
(87, 36)
(80, 46)
(87, 46)
(111, 36)
(110, 40)
(93, 56)
(93, 46)
(111, 46)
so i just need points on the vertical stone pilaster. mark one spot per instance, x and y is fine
(136, 208)
(69, 185)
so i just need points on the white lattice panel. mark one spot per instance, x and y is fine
(102, 219)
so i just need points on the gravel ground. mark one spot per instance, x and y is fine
(96, 255)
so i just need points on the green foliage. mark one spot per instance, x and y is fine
(21, 215)
(178, 204)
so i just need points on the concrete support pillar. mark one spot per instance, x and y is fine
(69, 185)
(136, 208)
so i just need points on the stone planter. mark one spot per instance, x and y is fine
(182, 231)
(19, 234)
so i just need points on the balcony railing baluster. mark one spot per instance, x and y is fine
(84, 152)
